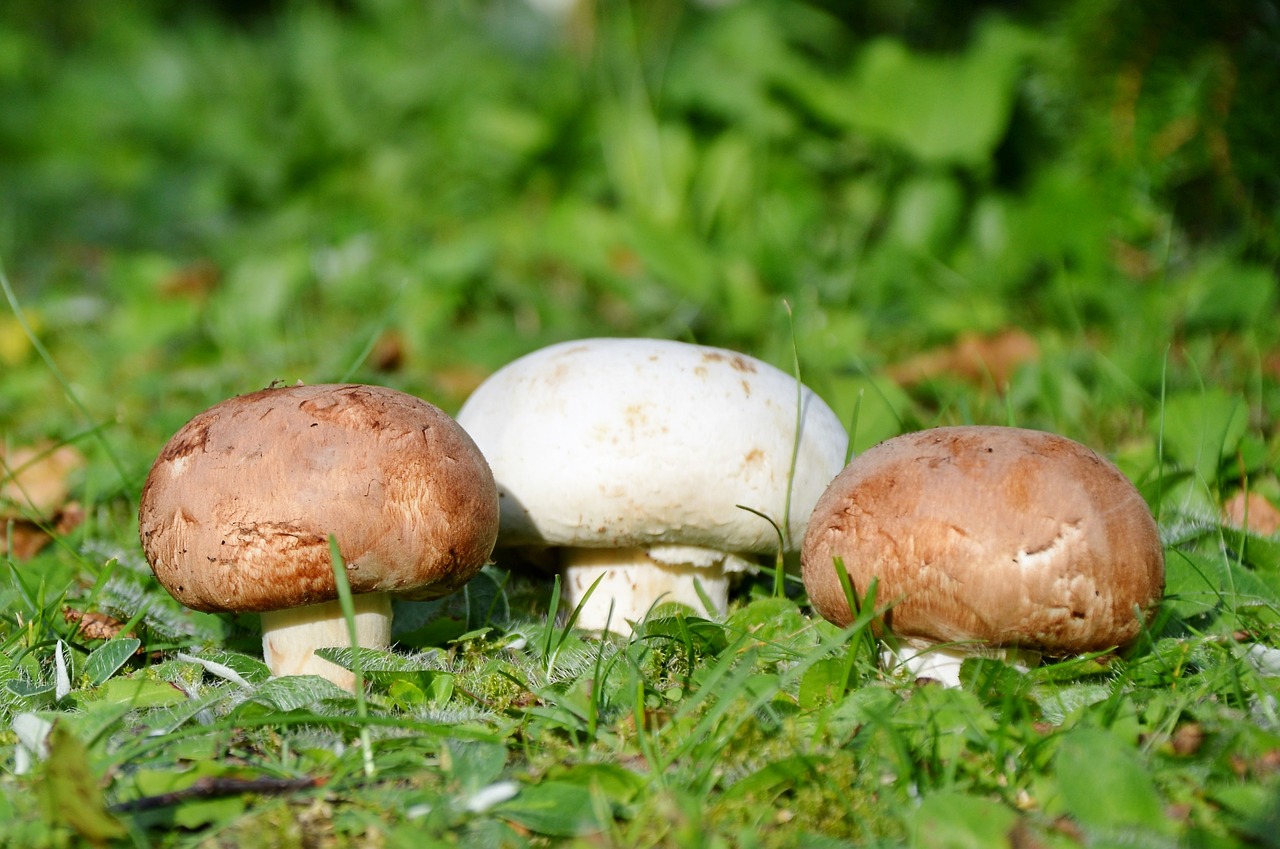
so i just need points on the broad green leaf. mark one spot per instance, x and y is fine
(28, 689)
(441, 689)
(617, 783)
(1259, 551)
(199, 813)
(473, 764)
(251, 669)
(1105, 787)
(295, 691)
(941, 109)
(191, 812)
(953, 820)
(71, 793)
(767, 783)
(106, 660)
(824, 683)
(705, 636)
(1193, 583)
(747, 38)
(774, 620)
(1060, 702)
(1200, 428)
(554, 808)
(371, 660)
(869, 704)
(1222, 294)
(486, 603)
(1252, 589)
(405, 694)
(1253, 804)
(951, 716)
(141, 692)
(926, 215)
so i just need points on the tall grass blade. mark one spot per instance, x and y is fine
(347, 604)
(778, 566)
(94, 427)
(795, 440)
(853, 425)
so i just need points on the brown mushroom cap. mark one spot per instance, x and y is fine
(237, 511)
(1005, 536)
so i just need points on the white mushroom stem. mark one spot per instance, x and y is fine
(633, 580)
(942, 662)
(290, 637)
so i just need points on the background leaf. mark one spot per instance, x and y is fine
(554, 808)
(71, 792)
(1105, 788)
(958, 821)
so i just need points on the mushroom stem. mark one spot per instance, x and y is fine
(633, 580)
(942, 662)
(291, 636)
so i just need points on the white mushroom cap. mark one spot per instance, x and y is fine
(237, 511)
(648, 444)
(1000, 536)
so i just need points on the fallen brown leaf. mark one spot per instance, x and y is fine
(1187, 738)
(973, 358)
(1021, 836)
(94, 626)
(34, 480)
(34, 485)
(1252, 512)
(195, 280)
(29, 538)
(22, 539)
(1068, 828)
(388, 352)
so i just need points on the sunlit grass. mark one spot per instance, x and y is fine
(413, 195)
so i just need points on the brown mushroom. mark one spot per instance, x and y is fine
(237, 513)
(988, 537)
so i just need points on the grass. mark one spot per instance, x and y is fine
(199, 202)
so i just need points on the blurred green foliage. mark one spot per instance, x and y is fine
(197, 199)
(201, 198)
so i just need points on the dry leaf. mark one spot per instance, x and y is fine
(1187, 739)
(1271, 364)
(195, 280)
(34, 480)
(388, 352)
(23, 537)
(1253, 513)
(974, 358)
(94, 626)
(34, 485)
(1021, 836)
(29, 537)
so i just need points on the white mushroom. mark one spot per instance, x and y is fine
(237, 513)
(987, 539)
(636, 457)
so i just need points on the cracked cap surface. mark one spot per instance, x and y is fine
(237, 511)
(1004, 536)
